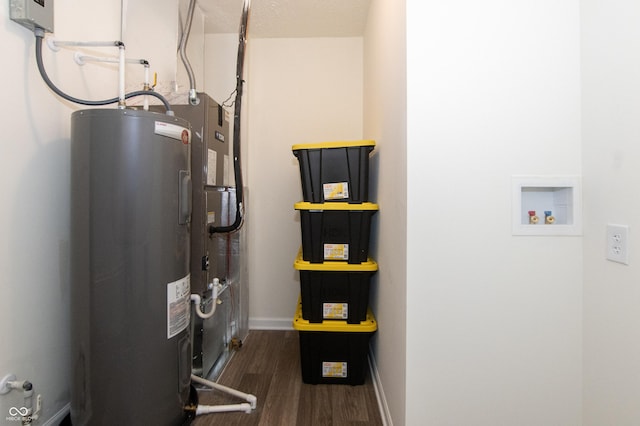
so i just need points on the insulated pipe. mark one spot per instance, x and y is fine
(146, 85)
(82, 59)
(121, 68)
(251, 399)
(39, 33)
(56, 44)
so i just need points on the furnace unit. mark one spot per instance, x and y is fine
(216, 255)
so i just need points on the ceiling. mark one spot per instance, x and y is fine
(288, 18)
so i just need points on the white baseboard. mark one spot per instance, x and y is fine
(57, 418)
(377, 386)
(270, 323)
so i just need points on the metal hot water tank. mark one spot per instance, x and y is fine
(130, 289)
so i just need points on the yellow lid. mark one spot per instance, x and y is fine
(334, 266)
(337, 144)
(305, 205)
(369, 325)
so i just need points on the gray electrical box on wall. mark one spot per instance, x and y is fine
(33, 14)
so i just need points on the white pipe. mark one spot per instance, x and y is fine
(208, 409)
(214, 296)
(251, 399)
(59, 43)
(145, 105)
(147, 81)
(123, 18)
(27, 393)
(28, 403)
(56, 44)
(121, 88)
(81, 58)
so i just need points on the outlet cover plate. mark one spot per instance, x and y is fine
(618, 243)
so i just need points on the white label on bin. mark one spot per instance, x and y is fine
(211, 217)
(336, 191)
(336, 252)
(335, 310)
(334, 369)
(178, 306)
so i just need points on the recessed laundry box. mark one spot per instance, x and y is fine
(334, 290)
(334, 352)
(335, 231)
(334, 171)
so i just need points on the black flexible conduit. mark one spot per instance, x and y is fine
(236, 127)
(40, 36)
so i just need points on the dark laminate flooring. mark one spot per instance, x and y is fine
(268, 366)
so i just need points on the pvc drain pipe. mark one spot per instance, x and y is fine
(251, 404)
(215, 287)
(210, 409)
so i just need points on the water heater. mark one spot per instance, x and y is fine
(130, 279)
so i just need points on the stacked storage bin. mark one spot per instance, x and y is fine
(333, 315)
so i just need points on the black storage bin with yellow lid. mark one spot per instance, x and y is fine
(334, 352)
(334, 171)
(334, 290)
(335, 231)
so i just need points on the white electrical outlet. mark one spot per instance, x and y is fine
(618, 243)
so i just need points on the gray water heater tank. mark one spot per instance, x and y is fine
(130, 289)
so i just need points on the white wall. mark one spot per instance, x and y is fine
(385, 122)
(493, 320)
(195, 49)
(220, 66)
(150, 31)
(611, 102)
(298, 90)
(34, 219)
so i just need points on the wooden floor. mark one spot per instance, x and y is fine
(268, 366)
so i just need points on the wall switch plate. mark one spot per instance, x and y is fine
(618, 243)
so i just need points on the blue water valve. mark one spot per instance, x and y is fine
(548, 217)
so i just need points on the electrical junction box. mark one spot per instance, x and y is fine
(33, 14)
